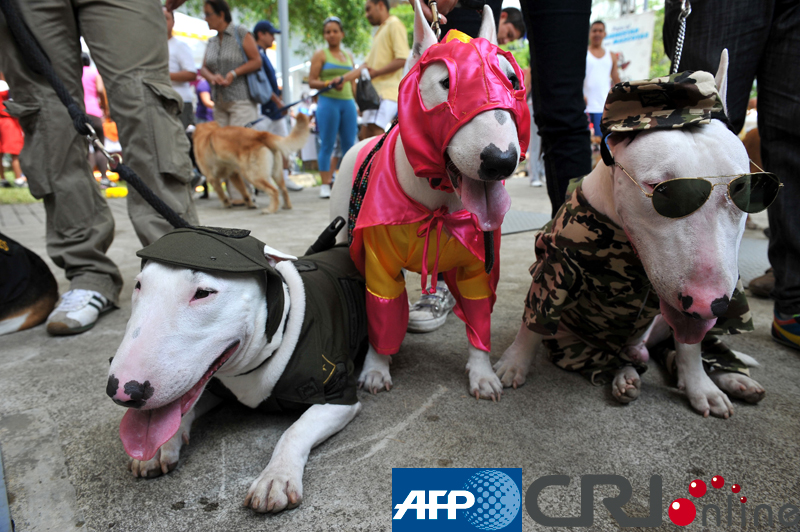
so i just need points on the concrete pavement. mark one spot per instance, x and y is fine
(65, 466)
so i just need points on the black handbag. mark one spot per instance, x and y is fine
(367, 97)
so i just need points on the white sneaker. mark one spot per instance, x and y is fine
(291, 185)
(325, 191)
(536, 182)
(77, 311)
(430, 312)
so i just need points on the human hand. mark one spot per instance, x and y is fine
(216, 79)
(172, 5)
(442, 6)
(229, 77)
(372, 72)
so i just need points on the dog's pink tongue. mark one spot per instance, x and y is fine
(488, 200)
(144, 431)
(686, 330)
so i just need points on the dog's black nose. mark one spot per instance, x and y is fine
(497, 164)
(134, 395)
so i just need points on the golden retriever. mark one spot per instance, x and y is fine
(237, 153)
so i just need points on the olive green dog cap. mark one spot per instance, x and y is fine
(209, 249)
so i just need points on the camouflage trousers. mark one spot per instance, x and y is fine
(570, 352)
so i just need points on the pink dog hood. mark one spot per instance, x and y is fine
(477, 84)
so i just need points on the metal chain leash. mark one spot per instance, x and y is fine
(686, 10)
(435, 20)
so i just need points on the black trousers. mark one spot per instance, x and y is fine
(763, 42)
(558, 34)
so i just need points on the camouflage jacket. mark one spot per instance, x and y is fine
(588, 278)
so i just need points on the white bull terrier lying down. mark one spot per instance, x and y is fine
(274, 335)
(436, 199)
(630, 244)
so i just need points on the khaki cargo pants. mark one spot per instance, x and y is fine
(128, 42)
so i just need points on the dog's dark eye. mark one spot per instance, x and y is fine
(138, 286)
(514, 81)
(445, 83)
(202, 293)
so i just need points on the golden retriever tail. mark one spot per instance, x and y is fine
(297, 138)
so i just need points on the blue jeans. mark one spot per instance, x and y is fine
(763, 40)
(595, 119)
(335, 116)
(557, 33)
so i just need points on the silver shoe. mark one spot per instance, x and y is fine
(430, 312)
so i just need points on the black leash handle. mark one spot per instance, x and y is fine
(328, 237)
(36, 59)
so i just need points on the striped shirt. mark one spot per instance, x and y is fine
(332, 69)
(221, 58)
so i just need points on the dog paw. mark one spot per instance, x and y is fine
(276, 489)
(512, 368)
(375, 376)
(483, 383)
(626, 385)
(165, 460)
(266, 211)
(705, 397)
(738, 385)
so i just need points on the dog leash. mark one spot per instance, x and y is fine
(38, 62)
(686, 10)
(289, 106)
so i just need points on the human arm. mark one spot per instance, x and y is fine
(253, 60)
(186, 70)
(614, 71)
(317, 61)
(394, 64)
(102, 97)
(205, 97)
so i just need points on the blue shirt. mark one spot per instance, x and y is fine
(269, 109)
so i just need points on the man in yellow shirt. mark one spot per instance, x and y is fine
(385, 65)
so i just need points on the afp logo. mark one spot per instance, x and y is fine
(456, 499)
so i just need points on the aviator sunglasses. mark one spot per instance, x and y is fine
(679, 197)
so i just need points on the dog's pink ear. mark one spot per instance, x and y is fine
(614, 140)
(274, 256)
(424, 37)
(488, 29)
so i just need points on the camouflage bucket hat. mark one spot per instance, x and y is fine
(682, 99)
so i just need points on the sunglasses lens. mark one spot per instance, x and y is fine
(754, 192)
(680, 197)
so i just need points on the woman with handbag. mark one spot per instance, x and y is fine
(336, 108)
(230, 56)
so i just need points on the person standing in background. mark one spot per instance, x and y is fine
(385, 66)
(225, 67)
(601, 72)
(510, 26)
(96, 105)
(204, 112)
(181, 69)
(336, 109)
(11, 138)
(273, 120)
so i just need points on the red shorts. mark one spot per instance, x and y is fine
(11, 138)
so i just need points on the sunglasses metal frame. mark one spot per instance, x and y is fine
(728, 186)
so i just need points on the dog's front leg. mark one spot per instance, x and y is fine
(166, 458)
(483, 383)
(703, 394)
(513, 366)
(375, 376)
(280, 485)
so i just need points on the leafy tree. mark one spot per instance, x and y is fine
(305, 18)
(659, 62)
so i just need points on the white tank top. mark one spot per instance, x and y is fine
(597, 81)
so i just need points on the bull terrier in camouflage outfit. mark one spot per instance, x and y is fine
(612, 275)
